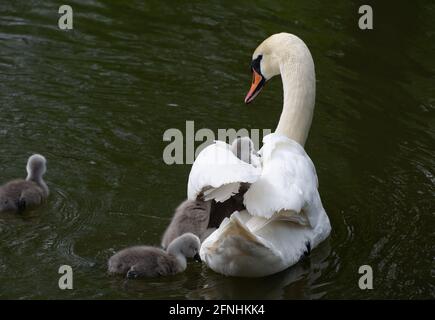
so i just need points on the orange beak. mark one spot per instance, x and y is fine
(257, 84)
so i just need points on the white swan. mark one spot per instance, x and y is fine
(284, 216)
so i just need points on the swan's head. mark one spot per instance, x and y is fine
(269, 57)
(36, 166)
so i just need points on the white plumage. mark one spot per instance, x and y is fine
(218, 173)
(288, 174)
(284, 216)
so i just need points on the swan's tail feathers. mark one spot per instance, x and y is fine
(234, 250)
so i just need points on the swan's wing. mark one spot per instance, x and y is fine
(217, 173)
(284, 216)
(288, 181)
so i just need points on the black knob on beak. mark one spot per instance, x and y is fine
(197, 258)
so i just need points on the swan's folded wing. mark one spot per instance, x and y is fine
(217, 173)
(288, 181)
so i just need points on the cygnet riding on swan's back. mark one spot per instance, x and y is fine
(284, 216)
(18, 195)
(243, 148)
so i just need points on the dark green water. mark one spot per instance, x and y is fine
(97, 100)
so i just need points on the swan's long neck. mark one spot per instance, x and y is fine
(298, 79)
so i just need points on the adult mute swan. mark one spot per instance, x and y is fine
(284, 216)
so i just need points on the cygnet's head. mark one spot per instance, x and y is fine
(36, 166)
(187, 244)
(243, 147)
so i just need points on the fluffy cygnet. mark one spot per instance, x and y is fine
(145, 261)
(191, 216)
(203, 217)
(244, 149)
(18, 195)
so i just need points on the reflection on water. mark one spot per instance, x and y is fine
(96, 102)
(298, 282)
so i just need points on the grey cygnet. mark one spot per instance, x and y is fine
(19, 195)
(203, 217)
(146, 261)
(191, 216)
(244, 149)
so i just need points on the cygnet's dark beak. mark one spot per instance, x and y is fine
(197, 258)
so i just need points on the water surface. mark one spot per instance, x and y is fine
(97, 100)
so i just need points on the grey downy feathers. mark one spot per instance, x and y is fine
(19, 195)
(146, 261)
(191, 216)
(203, 217)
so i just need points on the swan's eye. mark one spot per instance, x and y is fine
(255, 64)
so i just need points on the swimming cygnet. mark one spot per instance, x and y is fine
(191, 216)
(145, 261)
(244, 149)
(203, 217)
(18, 195)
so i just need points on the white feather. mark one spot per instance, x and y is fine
(288, 174)
(284, 215)
(217, 173)
(237, 250)
(222, 193)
